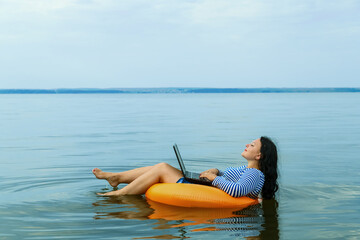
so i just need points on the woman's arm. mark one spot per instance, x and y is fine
(248, 182)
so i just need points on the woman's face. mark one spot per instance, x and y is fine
(252, 150)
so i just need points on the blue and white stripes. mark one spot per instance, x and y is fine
(240, 181)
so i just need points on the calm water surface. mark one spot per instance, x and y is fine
(50, 143)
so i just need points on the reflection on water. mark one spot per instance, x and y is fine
(254, 222)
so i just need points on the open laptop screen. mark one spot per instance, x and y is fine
(178, 156)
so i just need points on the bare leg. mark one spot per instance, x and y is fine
(115, 179)
(160, 173)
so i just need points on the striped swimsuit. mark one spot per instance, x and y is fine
(240, 181)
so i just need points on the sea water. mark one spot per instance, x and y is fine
(50, 143)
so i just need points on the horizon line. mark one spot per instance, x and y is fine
(140, 90)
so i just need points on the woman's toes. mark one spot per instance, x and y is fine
(98, 173)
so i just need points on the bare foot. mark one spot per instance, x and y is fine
(113, 193)
(112, 178)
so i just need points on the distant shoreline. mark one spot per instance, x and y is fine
(174, 90)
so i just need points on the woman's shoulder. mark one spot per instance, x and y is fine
(241, 168)
(244, 170)
(254, 171)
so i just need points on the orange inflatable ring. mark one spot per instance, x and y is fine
(195, 195)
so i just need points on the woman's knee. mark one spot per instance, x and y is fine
(164, 168)
(163, 165)
(167, 173)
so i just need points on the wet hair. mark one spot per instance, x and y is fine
(268, 165)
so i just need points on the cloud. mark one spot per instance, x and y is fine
(11, 9)
(178, 39)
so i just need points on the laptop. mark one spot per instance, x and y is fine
(190, 176)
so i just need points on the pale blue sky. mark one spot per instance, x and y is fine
(179, 43)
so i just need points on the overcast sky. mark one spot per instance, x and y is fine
(179, 43)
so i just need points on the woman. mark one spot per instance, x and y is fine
(259, 176)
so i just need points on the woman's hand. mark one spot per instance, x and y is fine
(213, 171)
(209, 175)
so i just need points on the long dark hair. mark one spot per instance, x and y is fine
(268, 165)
